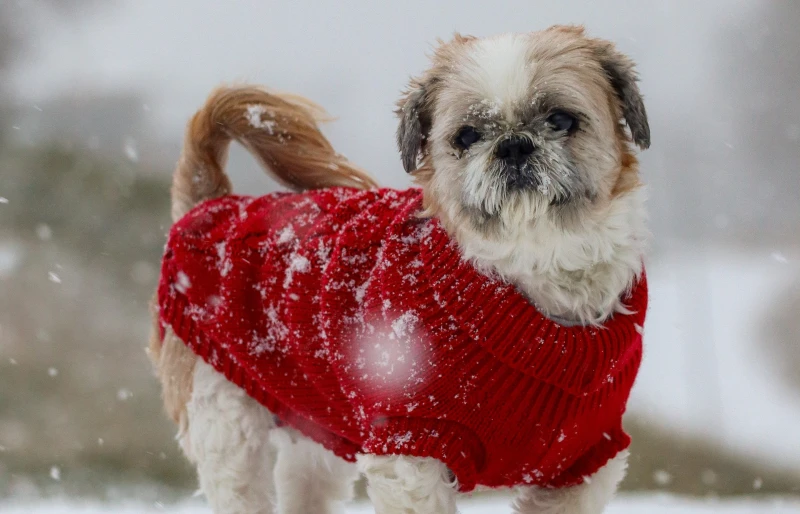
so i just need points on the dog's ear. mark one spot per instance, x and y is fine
(621, 72)
(414, 110)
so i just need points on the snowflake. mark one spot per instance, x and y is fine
(182, 283)
(254, 117)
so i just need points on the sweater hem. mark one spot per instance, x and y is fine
(448, 442)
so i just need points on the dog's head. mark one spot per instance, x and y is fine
(506, 130)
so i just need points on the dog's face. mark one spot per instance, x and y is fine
(515, 128)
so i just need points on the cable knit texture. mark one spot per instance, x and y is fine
(356, 322)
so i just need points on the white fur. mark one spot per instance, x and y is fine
(406, 485)
(480, 188)
(228, 440)
(501, 69)
(308, 477)
(591, 497)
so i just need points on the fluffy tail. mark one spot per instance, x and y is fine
(279, 130)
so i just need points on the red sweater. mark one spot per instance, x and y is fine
(358, 323)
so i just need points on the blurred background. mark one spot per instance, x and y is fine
(93, 99)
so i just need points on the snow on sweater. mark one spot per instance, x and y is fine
(356, 322)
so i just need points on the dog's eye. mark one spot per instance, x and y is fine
(562, 121)
(466, 137)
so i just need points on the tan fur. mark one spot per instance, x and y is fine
(627, 175)
(280, 130)
(173, 363)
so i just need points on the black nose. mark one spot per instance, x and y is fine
(515, 149)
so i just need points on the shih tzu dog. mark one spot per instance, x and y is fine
(480, 331)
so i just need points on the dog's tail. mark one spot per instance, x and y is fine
(280, 130)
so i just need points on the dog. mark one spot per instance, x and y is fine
(528, 187)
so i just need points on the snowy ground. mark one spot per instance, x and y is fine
(632, 505)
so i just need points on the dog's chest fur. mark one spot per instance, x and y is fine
(572, 275)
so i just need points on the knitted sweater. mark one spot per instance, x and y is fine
(358, 323)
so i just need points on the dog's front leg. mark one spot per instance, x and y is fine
(308, 478)
(408, 485)
(591, 497)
